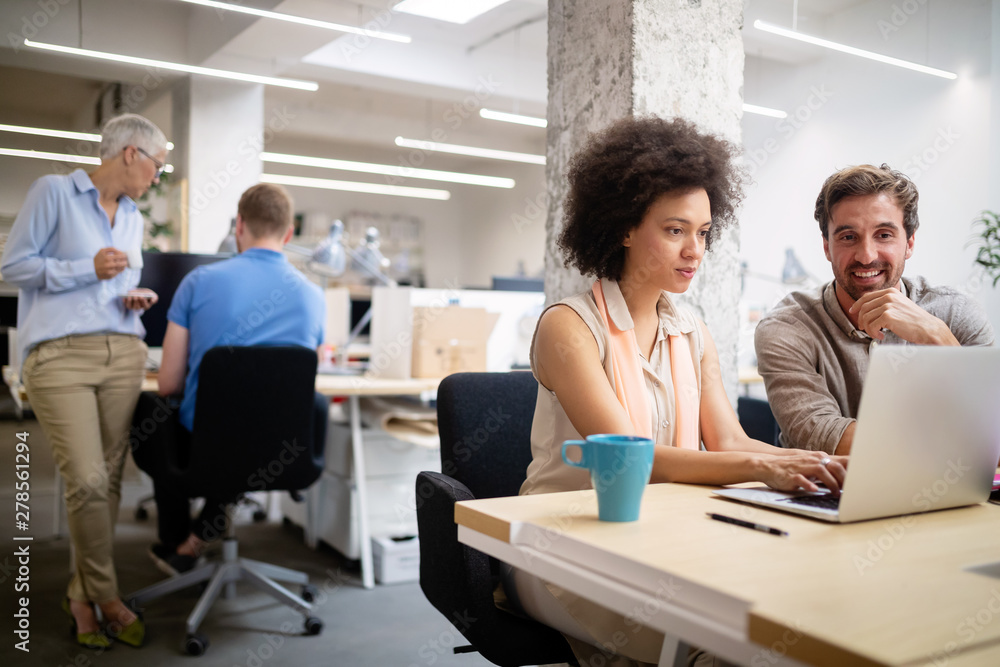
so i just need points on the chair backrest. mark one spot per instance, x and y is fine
(484, 420)
(485, 424)
(258, 423)
(757, 420)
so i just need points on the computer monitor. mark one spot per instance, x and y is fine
(359, 307)
(518, 284)
(162, 272)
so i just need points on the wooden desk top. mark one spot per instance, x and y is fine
(891, 591)
(352, 385)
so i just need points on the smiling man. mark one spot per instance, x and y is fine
(813, 347)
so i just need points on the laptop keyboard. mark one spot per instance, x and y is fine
(826, 501)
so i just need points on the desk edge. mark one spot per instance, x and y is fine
(482, 523)
(774, 636)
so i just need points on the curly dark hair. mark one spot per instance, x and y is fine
(624, 169)
(867, 179)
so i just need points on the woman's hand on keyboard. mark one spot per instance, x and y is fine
(802, 469)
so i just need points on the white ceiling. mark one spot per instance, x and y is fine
(362, 82)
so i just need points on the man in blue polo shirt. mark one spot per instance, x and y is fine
(255, 298)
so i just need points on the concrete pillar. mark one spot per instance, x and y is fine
(218, 129)
(613, 58)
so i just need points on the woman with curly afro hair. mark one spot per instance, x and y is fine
(647, 198)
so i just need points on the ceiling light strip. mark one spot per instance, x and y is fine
(541, 122)
(59, 134)
(61, 157)
(57, 157)
(42, 132)
(177, 67)
(764, 111)
(513, 118)
(470, 150)
(843, 48)
(389, 170)
(354, 186)
(378, 34)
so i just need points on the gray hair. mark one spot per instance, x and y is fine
(131, 130)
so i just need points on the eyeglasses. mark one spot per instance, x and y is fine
(160, 166)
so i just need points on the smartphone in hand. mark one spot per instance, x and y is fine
(140, 298)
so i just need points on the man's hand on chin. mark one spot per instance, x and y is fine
(890, 309)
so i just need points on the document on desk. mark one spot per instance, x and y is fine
(402, 418)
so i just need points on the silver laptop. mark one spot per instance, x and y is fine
(928, 438)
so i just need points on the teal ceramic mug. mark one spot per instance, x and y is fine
(619, 467)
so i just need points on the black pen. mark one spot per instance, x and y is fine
(746, 524)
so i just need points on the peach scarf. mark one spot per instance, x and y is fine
(630, 388)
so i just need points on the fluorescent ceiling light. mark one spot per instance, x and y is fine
(60, 134)
(389, 170)
(764, 111)
(354, 186)
(453, 11)
(541, 122)
(57, 157)
(62, 157)
(176, 67)
(470, 150)
(378, 34)
(513, 118)
(871, 55)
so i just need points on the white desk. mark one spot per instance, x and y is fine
(886, 592)
(354, 387)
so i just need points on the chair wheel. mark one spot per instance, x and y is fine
(314, 626)
(309, 592)
(141, 513)
(259, 515)
(195, 644)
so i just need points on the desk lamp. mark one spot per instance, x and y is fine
(229, 242)
(792, 273)
(329, 257)
(369, 258)
(329, 260)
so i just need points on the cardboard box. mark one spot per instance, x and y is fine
(396, 560)
(450, 340)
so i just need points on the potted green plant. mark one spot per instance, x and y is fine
(988, 241)
(157, 234)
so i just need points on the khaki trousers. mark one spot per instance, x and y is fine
(83, 389)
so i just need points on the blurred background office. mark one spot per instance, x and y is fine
(395, 127)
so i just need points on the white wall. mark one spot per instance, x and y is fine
(17, 175)
(844, 110)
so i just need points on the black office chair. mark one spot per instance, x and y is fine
(485, 425)
(259, 425)
(757, 420)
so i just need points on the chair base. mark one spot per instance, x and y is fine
(222, 578)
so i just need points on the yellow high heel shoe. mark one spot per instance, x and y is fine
(93, 640)
(133, 634)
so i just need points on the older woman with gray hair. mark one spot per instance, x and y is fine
(74, 252)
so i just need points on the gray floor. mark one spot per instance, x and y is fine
(390, 625)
